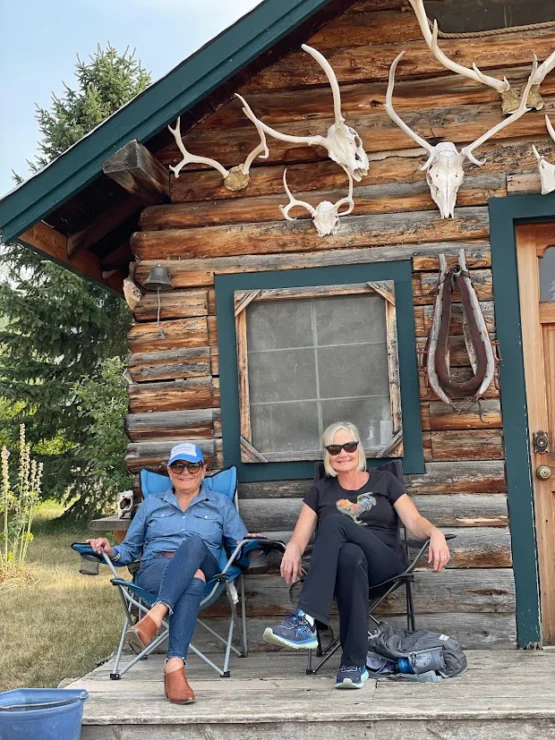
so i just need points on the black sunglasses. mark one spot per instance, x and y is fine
(336, 449)
(179, 466)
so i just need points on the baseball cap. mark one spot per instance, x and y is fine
(186, 451)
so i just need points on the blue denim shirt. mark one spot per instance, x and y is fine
(161, 526)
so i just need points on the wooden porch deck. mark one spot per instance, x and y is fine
(504, 694)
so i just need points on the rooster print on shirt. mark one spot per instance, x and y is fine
(359, 508)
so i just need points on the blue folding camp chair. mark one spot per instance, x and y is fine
(134, 598)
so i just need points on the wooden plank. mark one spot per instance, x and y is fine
(452, 510)
(424, 286)
(175, 304)
(547, 313)
(51, 242)
(459, 374)
(358, 64)
(479, 259)
(102, 225)
(154, 455)
(463, 591)
(458, 355)
(200, 272)
(485, 414)
(369, 199)
(170, 335)
(486, 444)
(195, 423)
(139, 173)
(170, 365)
(423, 316)
(522, 183)
(179, 395)
(284, 236)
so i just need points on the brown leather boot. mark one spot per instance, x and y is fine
(177, 687)
(141, 634)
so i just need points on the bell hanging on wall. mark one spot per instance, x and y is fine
(158, 279)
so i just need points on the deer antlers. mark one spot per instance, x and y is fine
(546, 169)
(237, 177)
(509, 97)
(342, 142)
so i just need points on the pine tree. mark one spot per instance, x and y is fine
(59, 330)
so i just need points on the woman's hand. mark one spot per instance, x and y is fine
(291, 563)
(101, 545)
(439, 550)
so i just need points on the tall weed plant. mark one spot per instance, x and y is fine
(18, 501)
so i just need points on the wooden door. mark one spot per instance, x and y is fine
(536, 274)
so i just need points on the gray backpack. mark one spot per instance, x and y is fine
(431, 656)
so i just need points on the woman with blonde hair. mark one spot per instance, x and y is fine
(357, 545)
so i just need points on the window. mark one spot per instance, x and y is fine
(311, 356)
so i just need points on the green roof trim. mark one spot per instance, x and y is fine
(183, 87)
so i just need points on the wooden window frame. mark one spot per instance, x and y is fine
(244, 298)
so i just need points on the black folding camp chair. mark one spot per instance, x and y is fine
(414, 549)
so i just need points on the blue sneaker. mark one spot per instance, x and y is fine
(351, 677)
(294, 632)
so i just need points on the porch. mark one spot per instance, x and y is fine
(504, 694)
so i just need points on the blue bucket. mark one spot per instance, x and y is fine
(41, 714)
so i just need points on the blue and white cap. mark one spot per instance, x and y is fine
(186, 451)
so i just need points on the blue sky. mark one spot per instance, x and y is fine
(41, 40)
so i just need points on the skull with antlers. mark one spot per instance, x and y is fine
(342, 142)
(547, 170)
(444, 167)
(509, 97)
(326, 215)
(237, 177)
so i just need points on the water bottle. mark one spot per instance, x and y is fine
(421, 662)
(403, 665)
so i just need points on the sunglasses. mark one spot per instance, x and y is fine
(179, 467)
(336, 449)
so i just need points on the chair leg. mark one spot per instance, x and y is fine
(115, 674)
(411, 622)
(244, 636)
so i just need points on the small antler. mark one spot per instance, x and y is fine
(544, 69)
(294, 202)
(189, 158)
(332, 79)
(398, 120)
(519, 112)
(235, 179)
(348, 198)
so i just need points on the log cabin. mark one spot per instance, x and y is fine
(271, 331)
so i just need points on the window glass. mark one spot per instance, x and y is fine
(547, 275)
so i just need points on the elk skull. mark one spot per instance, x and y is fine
(547, 170)
(509, 97)
(444, 167)
(326, 215)
(342, 142)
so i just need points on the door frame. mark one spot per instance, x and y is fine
(505, 214)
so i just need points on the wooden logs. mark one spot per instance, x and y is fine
(424, 286)
(154, 455)
(170, 365)
(473, 444)
(423, 316)
(484, 414)
(179, 395)
(169, 335)
(137, 171)
(175, 304)
(158, 425)
(284, 236)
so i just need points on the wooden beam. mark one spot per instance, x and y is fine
(120, 257)
(102, 225)
(52, 243)
(135, 169)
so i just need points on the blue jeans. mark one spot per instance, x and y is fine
(173, 583)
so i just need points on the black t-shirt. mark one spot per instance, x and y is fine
(371, 506)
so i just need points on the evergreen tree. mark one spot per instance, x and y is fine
(59, 329)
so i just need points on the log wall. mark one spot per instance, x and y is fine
(208, 230)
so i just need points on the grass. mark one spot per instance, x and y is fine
(56, 623)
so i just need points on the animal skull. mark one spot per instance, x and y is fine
(326, 215)
(126, 504)
(547, 170)
(342, 142)
(509, 96)
(444, 167)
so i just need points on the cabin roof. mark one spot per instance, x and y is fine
(67, 199)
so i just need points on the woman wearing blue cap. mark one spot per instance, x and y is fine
(179, 535)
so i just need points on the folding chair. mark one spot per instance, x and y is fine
(379, 592)
(135, 599)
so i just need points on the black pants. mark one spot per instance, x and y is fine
(346, 560)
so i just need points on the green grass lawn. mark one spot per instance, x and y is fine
(60, 623)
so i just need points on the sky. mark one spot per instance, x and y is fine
(41, 40)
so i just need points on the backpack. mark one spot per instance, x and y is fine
(428, 652)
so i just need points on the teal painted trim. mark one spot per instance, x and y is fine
(401, 273)
(186, 85)
(505, 213)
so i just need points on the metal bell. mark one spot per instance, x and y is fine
(158, 279)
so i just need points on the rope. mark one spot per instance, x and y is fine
(493, 31)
